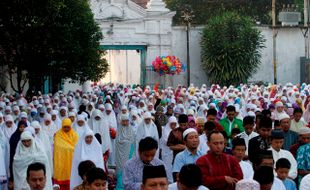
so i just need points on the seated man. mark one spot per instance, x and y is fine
(132, 174)
(189, 178)
(154, 177)
(96, 179)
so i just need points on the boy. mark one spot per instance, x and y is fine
(96, 179)
(283, 167)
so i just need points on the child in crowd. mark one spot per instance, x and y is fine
(282, 169)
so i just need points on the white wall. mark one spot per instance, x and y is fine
(290, 47)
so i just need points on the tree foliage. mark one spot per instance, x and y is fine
(55, 38)
(231, 48)
(258, 10)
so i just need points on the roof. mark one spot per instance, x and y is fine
(141, 3)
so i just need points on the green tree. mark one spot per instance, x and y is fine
(231, 48)
(58, 39)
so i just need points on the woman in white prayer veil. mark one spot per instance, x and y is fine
(166, 152)
(80, 125)
(27, 152)
(43, 138)
(55, 118)
(49, 127)
(109, 116)
(4, 161)
(100, 126)
(8, 127)
(124, 147)
(87, 148)
(147, 128)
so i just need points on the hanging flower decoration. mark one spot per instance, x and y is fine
(168, 65)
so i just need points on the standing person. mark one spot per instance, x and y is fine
(290, 137)
(64, 144)
(132, 171)
(147, 128)
(124, 147)
(190, 154)
(28, 151)
(303, 160)
(80, 125)
(166, 152)
(8, 127)
(36, 176)
(261, 142)
(283, 167)
(238, 150)
(297, 123)
(230, 122)
(219, 170)
(87, 148)
(175, 139)
(101, 129)
(14, 142)
(4, 157)
(277, 140)
(248, 133)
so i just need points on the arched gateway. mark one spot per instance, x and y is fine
(140, 25)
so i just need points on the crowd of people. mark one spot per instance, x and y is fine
(246, 137)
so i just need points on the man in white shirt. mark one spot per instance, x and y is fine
(277, 140)
(203, 140)
(238, 150)
(248, 133)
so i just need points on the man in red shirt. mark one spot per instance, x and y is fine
(220, 171)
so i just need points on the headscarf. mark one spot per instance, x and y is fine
(101, 127)
(124, 143)
(43, 138)
(80, 129)
(14, 141)
(299, 103)
(3, 157)
(82, 152)
(7, 132)
(25, 156)
(50, 129)
(306, 114)
(64, 145)
(57, 120)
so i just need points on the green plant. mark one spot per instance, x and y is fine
(231, 48)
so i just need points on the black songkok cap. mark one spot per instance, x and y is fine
(183, 118)
(277, 134)
(153, 172)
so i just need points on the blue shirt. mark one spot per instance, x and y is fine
(133, 171)
(290, 138)
(289, 184)
(185, 157)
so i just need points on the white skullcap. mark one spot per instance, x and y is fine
(248, 184)
(279, 104)
(189, 130)
(283, 116)
(147, 115)
(252, 114)
(304, 131)
(190, 112)
(172, 119)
